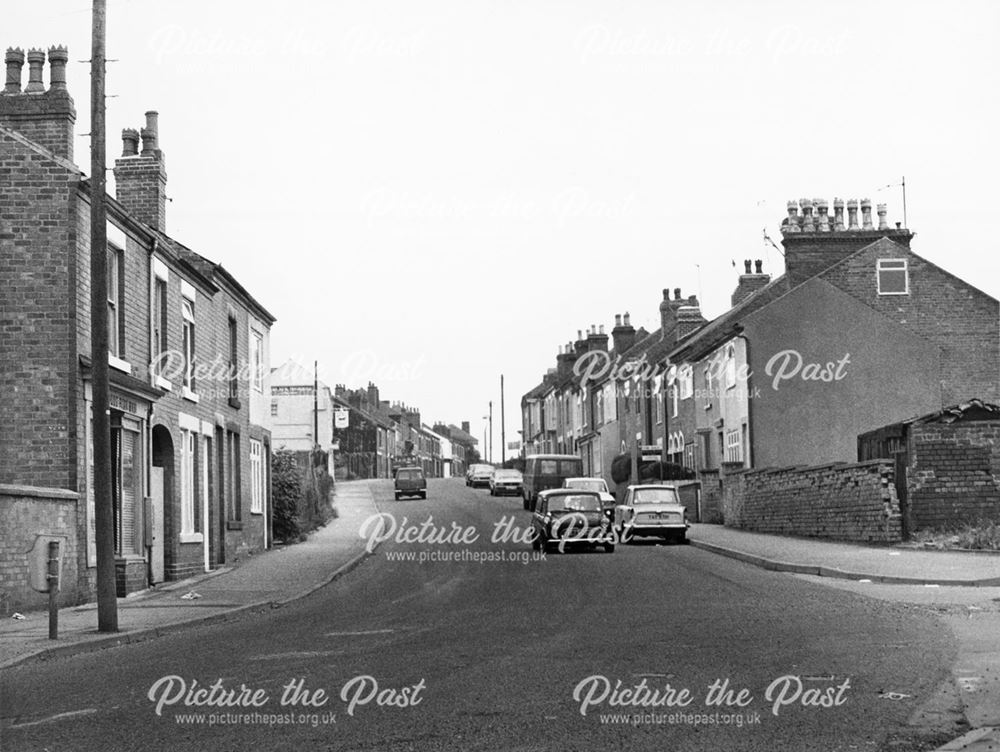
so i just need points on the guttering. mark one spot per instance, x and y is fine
(749, 385)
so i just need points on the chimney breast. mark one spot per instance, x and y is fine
(15, 62)
(36, 63)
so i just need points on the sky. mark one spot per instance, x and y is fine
(430, 194)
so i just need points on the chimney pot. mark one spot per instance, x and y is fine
(760, 266)
(666, 294)
(852, 214)
(838, 214)
(600, 329)
(130, 142)
(625, 319)
(793, 217)
(823, 220)
(899, 225)
(618, 320)
(746, 265)
(579, 334)
(807, 215)
(866, 214)
(883, 224)
(36, 62)
(58, 57)
(677, 293)
(15, 62)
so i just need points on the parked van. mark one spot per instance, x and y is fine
(544, 471)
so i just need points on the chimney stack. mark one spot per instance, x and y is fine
(623, 335)
(44, 117)
(141, 177)
(750, 282)
(813, 243)
(597, 339)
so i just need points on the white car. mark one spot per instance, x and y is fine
(592, 484)
(652, 510)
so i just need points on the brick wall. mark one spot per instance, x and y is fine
(25, 512)
(843, 502)
(37, 357)
(963, 321)
(953, 474)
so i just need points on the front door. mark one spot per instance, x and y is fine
(156, 526)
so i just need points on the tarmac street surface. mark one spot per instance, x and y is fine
(454, 636)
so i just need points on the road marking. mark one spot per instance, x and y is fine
(56, 717)
(360, 634)
(297, 654)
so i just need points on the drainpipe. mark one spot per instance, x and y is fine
(746, 345)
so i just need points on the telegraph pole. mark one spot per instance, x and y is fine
(503, 432)
(104, 514)
(491, 433)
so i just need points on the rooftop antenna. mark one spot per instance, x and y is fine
(767, 239)
(901, 184)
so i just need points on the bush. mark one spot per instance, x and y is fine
(286, 492)
(621, 468)
(980, 535)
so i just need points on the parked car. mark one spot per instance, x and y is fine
(652, 510)
(565, 516)
(410, 481)
(479, 475)
(504, 482)
(545, 471)
(592, 484)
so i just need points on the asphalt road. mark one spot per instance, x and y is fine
(510, 655)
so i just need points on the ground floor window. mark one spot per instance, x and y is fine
(187, 482)
(126, 486)
(734, 446)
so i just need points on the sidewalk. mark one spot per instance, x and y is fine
(877, 564)
(278, 576)
(882, 564)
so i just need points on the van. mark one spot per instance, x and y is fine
(544, 471)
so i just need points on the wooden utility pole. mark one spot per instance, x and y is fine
(491, 433)
(503, 433)
(104, 513)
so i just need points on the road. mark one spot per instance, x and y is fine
(489, 654)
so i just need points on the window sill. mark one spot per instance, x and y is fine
(119, 365)
(257, 514)
(234, 402)
(189, 395)
(192, 538)
(164, 384)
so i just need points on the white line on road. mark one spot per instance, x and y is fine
(56, 717)
(360, 634)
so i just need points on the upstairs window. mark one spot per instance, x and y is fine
(187, 315)
(730, 366)
(233, 359)
(114, 302)
(893, 277)
(159, 323)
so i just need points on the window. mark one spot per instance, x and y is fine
(187, 483)
(686, 379)
(893, 277)
(708, 386)
(675, 393)
(126, 485)
(730, 367)
(734, 446)
(256, 477)
(159, 324)
(233, 359)
(234, 501)
(114, 302)
(187, 313)
(256, 361)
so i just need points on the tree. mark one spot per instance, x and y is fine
(287, 495)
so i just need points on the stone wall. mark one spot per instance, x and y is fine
(854, 502)
(25, 512)
(953, 474)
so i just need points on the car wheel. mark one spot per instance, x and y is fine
(423, 494)
(397, 497)
(536, 541)
(525, 500)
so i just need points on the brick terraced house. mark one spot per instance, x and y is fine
(188, 356)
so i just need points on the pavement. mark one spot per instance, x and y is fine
(267, 580)
(288, 573)
(884, 565)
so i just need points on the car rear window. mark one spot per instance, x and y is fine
(575, 503)
(409, 474)
(587, 484)
(655, 496)
(508, 475)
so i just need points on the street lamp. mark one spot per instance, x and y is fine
(485, 418)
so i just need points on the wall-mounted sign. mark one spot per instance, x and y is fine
(341, 417)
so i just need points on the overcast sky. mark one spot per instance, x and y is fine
(429, 194)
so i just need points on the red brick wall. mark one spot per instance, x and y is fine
(844, 502)
(25, 512)
(37, 357)
(953, 474)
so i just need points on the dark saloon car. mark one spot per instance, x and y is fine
(410, 481)
(569, 517)
(506, 482)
